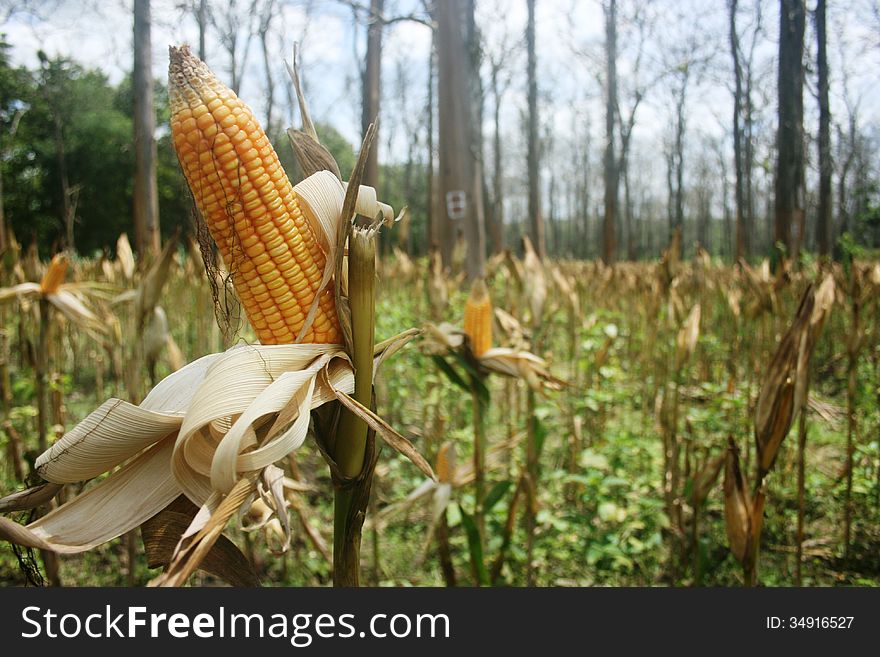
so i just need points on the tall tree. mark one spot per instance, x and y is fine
(641, 22)
(612, 178)
(459, 170)
(823, 220)
(687, 53)
(267, 16)
(681, 79)
(496, 214)
(11, 113)
(199, 10)
(501, 76)
(52, 73)
(372, 87)
(146, 195)
(236, 26)
(536, 219)
(202, 21)
(431, 214)
(789, 214)
(743, 229)
(747, 60)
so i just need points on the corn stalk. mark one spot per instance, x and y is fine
(351, 495)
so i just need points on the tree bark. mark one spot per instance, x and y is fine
(372, 88)
(459, 169)
(609, 228)
(536, 219)
(823, 220)
(743, 230)
(789, 215)
(678, 153)
(431, 221)
(265, 23)
(202, 20)
(146, 195)
(496, 225)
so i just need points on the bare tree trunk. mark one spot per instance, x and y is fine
(823, 220)
(236, 26)
(609, 237)
(586, 236)
(146, 195)
(202, 20)
(263, 32)
(372, 87)
(536, 219)
(726, 242)
(626, 130)
(743, 230)
(430, 229)
(748, 128)
(67, 210)
(789, 216)
(13, 128)
(475, 230)
(496, 225)
(678, 154)
(459, 166)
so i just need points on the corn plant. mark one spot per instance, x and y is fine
(782, 396)
(214, 430)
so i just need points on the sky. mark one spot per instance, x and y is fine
(569, 50)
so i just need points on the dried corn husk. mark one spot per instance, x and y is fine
(149, 292)
(785, 382)
(156, 334)
(438, 287)
(125, 257)
(534, 282)
(67, 298)
(444, 465)
(566, 289)
(705, 478)
(686, 341)
(737, 505)
(517, 363)
(201, 432)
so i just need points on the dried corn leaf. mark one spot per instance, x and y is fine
(29, 498)
(737, 504)
(125, 256)
(161, 534)
(534, 283)
(150, 289)
(686, 341)
(109, 509)
(210, 430)
(785, 383)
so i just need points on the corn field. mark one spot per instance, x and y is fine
(633, 482)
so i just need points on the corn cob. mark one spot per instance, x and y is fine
(251, 209)
(478, 318)
(55, 273)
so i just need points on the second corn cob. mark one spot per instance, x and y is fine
(478, 318)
